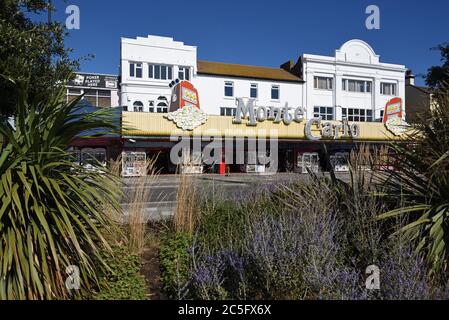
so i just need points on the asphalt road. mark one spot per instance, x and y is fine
(160, 199)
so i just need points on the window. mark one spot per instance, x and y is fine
(388, 89)
(357, 115)
(381, 119)
(151, 104)
(229, 89)
(160, 72)
(184, 73)
(323, 83)
(356, 85)
(138, 106)
(96, 98)
(72, 94)
(135, 69)
(253, 91)
(162, 107)
(325, 113)
(230, 112)
(104, 98)
(274, 92)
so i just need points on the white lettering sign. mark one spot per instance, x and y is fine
(246, 109)
(328, 130)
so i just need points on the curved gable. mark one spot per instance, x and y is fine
(357, 51)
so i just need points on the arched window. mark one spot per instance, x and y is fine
(138, 106)
(162, 107)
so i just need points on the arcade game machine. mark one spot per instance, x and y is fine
(184, 94)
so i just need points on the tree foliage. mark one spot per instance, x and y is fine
(438, 76)
(31, 51)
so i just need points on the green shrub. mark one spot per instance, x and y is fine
(175, 262)
(227, 220)
(421, 178)
(124, 281)
(52, 212)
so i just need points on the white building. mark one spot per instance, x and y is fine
(353, 84)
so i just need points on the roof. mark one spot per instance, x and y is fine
(426, 90)
(245, 71)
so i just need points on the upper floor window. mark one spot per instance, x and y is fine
(275, 92)
(323, 83)
(229, 89)
(388, 88)
(138, 106)
(325, 113)
(356, 85)
(184, 73)
(354, 114)
(160, 72)
(135, 69)
(253, 91)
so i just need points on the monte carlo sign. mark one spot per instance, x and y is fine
(328, 130)
(186, 113)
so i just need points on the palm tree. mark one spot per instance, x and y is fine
(51, 213)
(421, 180)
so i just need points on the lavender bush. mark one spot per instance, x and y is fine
(302, 241)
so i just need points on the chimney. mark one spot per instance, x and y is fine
(409, 78)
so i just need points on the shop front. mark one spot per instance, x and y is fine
(241, 146)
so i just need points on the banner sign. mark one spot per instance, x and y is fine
(393, 117)
(393, 108)
(86, 80)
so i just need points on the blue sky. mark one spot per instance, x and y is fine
(265, 33)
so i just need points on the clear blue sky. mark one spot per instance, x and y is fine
(265, 33)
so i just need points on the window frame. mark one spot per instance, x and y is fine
(228, 111)
(185, 71)
(139, 105)
(393, 88)
(134, 66)
(278, 87)
(357, 114)
(254, 86)
(160, 69)
(367, 85)
(326, 115)
(329, 83)
(90, 94)
(229, 84)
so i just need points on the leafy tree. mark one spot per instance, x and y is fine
(52, 212)
(438, 76)
(30, 51)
